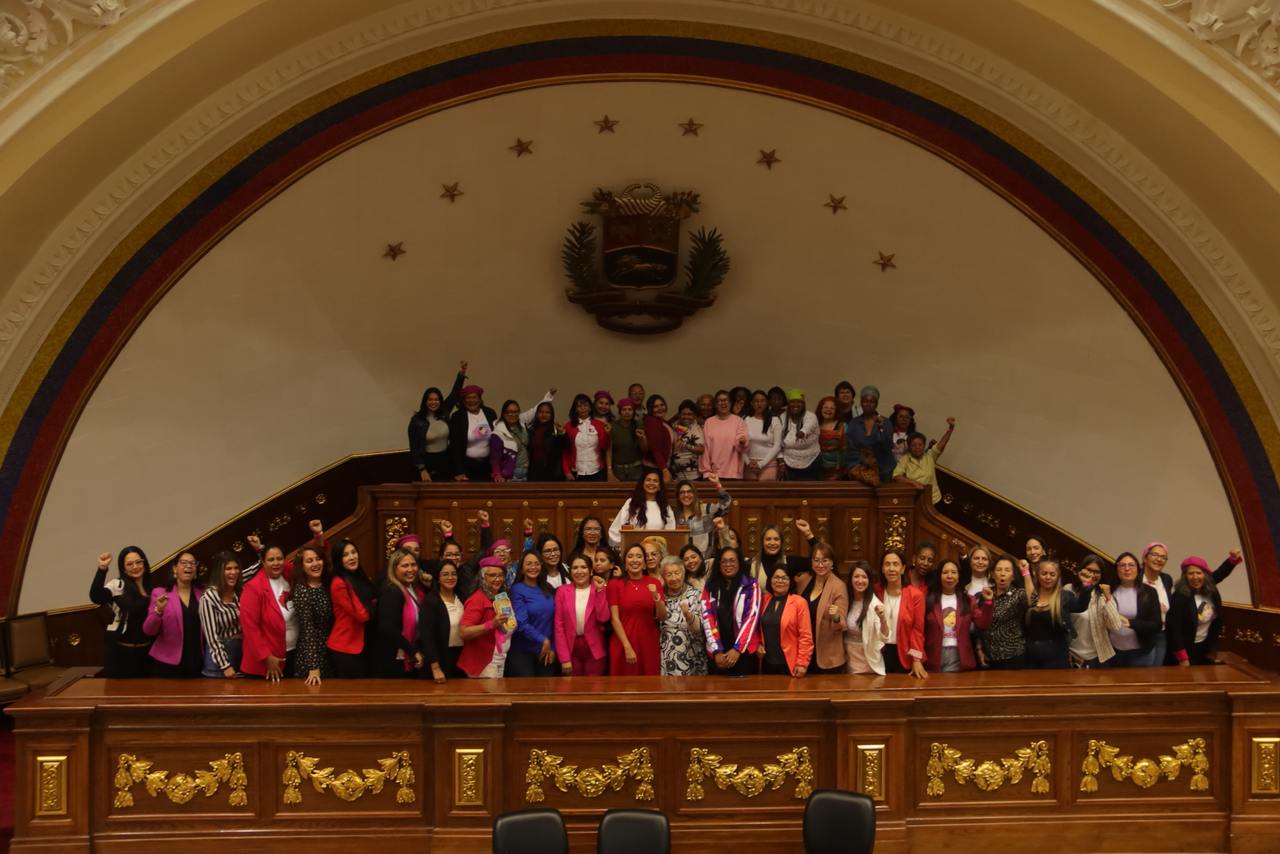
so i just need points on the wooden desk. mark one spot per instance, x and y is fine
(373, 765)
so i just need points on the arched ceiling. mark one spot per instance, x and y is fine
(1101, 88)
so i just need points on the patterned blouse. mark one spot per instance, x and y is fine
(315, 620)
(1005, 638)
(684, 653)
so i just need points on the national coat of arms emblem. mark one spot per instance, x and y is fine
(629, 277)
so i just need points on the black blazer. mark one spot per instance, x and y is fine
(1181, 622)
(418, 424)
(1147, 624)
(389, 635)
(433, 632)
(458, 436)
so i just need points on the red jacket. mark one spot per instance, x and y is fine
(795, 632)
(349, 619)
(569, 458)
(262, 624)
(979, 615)
(478, 651)
(910, 634)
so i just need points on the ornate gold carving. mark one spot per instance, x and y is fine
(73, 639)
(181, 788)
(1265, 766)
(870, 774)
(1146, 772)
(321, 498)
(787, 522)
(1249, 635)
(590, 782)
(821, 529)
(51, 785)
(855, 535)
(991, 774)
(468, 777)
(279, 522)
(473, 535)
(394, 527)
(349, 785)
(895, 531)
(753, 534)
(749, 780)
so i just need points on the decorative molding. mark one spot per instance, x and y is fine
(895, 532)
(991, 774)
(1145, 773)
(865, 21)
(51, 785)
(180, 788)
(394, 527)
(348, 785)
(870, 771)
(35, 33)
(468, 776)
(1246, 32)
(589, 782)
(748, 780)
(1264, 766)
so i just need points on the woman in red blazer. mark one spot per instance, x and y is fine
(904, 605)
(582, 648)
(786, 635)
(268, 620)
(354, 598)
(949, 617)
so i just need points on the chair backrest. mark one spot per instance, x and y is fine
(28, 641)
(839, 822)
(539, 831)
(634, 832)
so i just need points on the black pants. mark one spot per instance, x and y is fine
(768, 668)
(439, 466)
(892, 664)
(126, 662)
(451, 668)
(521, 663)
(1018, 662)
(477, 469)
(813, 471)
(1047, 655)
(349, 666)
(746, 666)
(601, 475)
(815, 670)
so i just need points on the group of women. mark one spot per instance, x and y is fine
(734, 433)
(706, 609)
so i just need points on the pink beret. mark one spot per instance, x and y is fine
(602, 393)
(1195, 560)
(473, 389)
(492, 561)
(408, 538)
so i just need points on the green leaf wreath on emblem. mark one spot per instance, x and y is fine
(578, 256)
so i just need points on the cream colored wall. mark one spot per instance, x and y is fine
(295, 317)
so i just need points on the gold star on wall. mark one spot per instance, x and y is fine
(606, 124)
(836, 203)
(768, 158)
(885, 261)
(522, 147)
(690, 127)
(451, 191)
(394, 250)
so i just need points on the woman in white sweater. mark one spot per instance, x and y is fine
(764, 438)
(800, 434)
(646, 508)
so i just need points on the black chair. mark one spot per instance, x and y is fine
(539, 831)
(839, 822)
(633, 832)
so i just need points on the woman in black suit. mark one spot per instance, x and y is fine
(395, 640)
(1194, 621)
(439, 624)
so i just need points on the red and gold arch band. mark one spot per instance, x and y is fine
(1020, 759)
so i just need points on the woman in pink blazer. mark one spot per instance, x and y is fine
(582, 612)
(173, 619)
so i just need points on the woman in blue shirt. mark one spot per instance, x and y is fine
(532, 649)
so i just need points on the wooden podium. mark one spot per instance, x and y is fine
(675, 537)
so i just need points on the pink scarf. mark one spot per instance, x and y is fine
(409, 620)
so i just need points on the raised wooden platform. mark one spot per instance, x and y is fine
(1125, 760)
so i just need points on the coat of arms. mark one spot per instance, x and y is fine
(634, 284)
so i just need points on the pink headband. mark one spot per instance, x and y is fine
(1151, 546)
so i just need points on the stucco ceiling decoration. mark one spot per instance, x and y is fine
(1247, 32)
(35, 33)
(856, 22)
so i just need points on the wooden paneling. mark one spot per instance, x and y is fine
(1172, 754)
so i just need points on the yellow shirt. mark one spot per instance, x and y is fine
(923, 470)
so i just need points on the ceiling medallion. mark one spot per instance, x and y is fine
(629, 280)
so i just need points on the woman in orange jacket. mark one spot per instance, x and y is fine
(786, 646)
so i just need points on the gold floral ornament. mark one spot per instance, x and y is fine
(348, 785)
(181, 788)
(749, 780)
(1146, 772)
(991, 774)
(590, 782)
